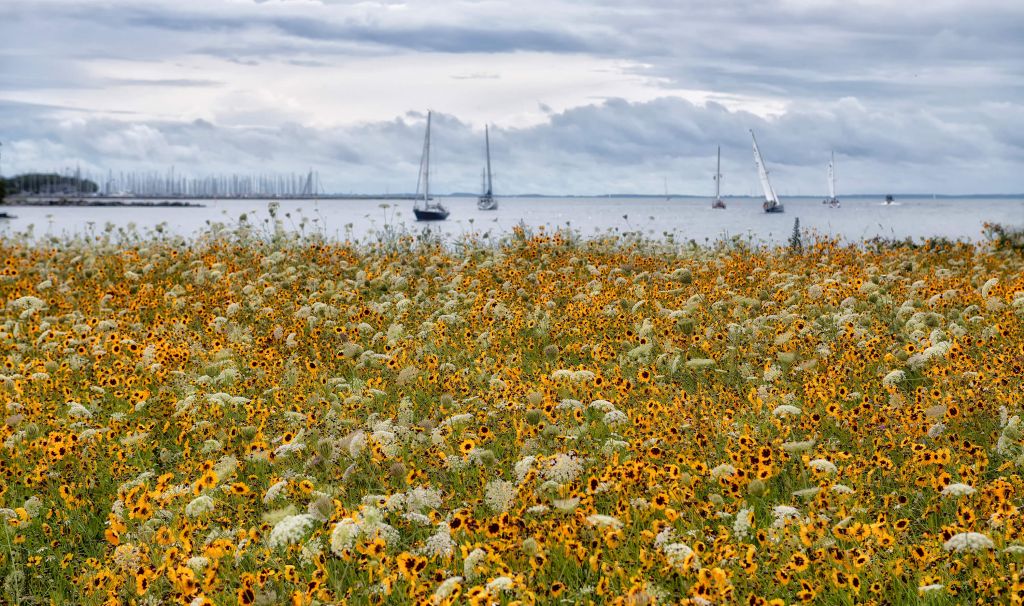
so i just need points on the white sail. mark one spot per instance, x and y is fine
(423, 180)
(769, 194)
(486, 200)
(832, 178)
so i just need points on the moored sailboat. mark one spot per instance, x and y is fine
(771, 201)
(486, 200)
(832, 200)
(424, 206)
(718, 202)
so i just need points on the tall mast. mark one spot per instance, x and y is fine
(718, 175)
(426, 166)
(487, 144)
(832, 177)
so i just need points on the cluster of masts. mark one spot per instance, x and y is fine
(293, 185)
(156, 184)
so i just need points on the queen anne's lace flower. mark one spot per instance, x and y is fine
(958, 490)
(290, 530)
(968, 542)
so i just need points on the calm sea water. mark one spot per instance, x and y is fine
(685, 218)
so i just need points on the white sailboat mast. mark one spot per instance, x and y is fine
(832, 177)
(718, 175)
(766, 185)
(487, 144)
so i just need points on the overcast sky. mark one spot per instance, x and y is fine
(582, 97)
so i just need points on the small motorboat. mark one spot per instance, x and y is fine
(7, 216)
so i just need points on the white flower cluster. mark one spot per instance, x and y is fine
(786, 410)
(439, 544)
(894, 378)
(611, 446)
(445, 589)
(797, 447)
(679, 555)
(367, 523)
(1008, 443)
(603, 521)
(968, 542)
(784, 513)
(77, 411)
(290, 530)
(474, 559)
(615, 418)
(563, 468)
(822, 465)
(418, 499)
(743, 523)
(958, 490)
(499, 494)
(275, 491)
(198, 506)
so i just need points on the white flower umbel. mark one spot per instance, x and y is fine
(499, 494)
(501, 584)
(440, 544)
(786, 410)
(474, 559)
(681, 556)
(603, 521)
(275, 491)
(198, 506)
(822, 465)
(969, 542)
(958, 490)
(784, 513)
(445, 589)
(744, 521)
(290, 530)
(562, 468)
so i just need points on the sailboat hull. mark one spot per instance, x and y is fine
(487, 202)
(719, 204)
(773, 208)
(430, 214)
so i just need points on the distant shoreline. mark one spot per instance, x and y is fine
(102, 202)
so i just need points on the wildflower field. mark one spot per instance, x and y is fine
(264, 419)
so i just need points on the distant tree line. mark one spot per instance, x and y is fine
(47, 183)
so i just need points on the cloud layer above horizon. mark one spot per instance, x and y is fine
(582, 98)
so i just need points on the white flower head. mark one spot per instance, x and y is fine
(968, 542)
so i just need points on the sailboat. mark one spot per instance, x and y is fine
(832, 200)
(424, 206)
(486, 200)
(718, 202)
(771, 201)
